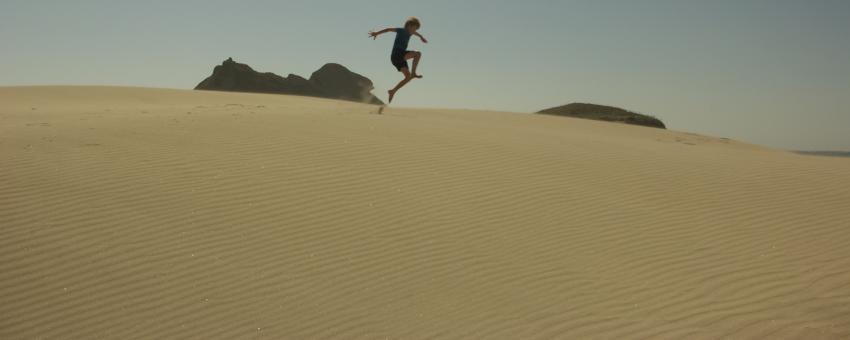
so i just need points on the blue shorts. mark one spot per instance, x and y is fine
(398, 59)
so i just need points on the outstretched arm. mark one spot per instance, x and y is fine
(375, 35)
(421, 37)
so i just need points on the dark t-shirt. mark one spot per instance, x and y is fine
(402, 37)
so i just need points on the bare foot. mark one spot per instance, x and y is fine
(392, 94)
(417, 76)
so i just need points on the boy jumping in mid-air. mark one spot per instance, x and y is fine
(400, 53)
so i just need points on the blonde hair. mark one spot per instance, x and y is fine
(412, 21)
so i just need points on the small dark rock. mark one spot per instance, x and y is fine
(604, 113)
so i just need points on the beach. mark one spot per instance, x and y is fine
(145, 213)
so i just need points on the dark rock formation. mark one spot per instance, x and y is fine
(336, 81)
(331, 81)
(605, 113)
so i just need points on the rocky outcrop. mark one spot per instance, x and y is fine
(336, 81)
(331, 81)
(604, 113)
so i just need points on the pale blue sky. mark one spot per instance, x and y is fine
(770, 72)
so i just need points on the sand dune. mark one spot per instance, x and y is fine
(145, 213)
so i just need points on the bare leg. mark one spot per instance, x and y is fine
(407, 78)
(415, 56)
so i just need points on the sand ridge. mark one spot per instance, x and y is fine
(152, 213)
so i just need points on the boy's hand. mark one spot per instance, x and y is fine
(374, 35)
(421, 37)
